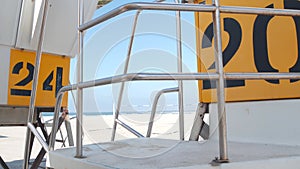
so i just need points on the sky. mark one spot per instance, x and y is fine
(154, 50)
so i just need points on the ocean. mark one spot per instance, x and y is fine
(72, 114)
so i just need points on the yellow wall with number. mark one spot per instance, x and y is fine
(54, 73)
(251, 43)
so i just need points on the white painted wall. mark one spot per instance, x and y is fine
(9, 18)
(61, 26)
(4, 71)
(275, 122)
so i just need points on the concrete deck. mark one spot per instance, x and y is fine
(160, 153)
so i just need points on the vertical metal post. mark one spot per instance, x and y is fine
(34, 84)
(220, 84)
(79, 107)
(179, 65)
(116, 115)
(69, 130)
(55, 120)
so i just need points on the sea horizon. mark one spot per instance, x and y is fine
(111, 113)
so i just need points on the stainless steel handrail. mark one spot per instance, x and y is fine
(220, 83)
(120, 98)
(186, 7)
(124, 72)
(219, 76)
(118, 79)
(130, 129)
(259, 11)
(179, 69)
(35, 83)
(38, 136)
(146, 6)
(260, 76)
(154, 105)
(160, 76)
(79, 106)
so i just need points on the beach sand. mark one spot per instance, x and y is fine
(97, 128)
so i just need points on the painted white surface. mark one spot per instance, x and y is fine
(273, 122)
(61, 26)
(4, 72)
(9, 18)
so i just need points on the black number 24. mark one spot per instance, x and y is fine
(25, 81)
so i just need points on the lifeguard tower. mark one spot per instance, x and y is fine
(246, 87)
(34, 31)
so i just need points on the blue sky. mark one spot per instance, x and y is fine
(154, 50)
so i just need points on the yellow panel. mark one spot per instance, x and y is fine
(251, 43)
(54, 73)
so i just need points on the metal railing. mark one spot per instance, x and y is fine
(179, 69)
(34, 85)
(117, 112)
(219, 76)
(180, 85)
(154, 106)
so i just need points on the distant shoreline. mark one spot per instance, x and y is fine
(111, 113)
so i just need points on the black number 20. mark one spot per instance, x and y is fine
(233, 28)
(260, 43)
